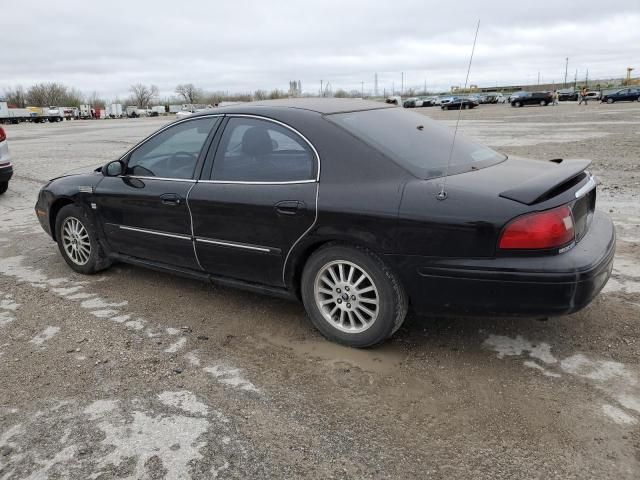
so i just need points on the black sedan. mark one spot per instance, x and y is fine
(520, 99)
(455, 103)
(622, 95)
(360, 209)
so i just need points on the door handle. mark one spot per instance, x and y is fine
(170, 199)
(289, 207)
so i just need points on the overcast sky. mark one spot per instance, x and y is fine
(240, 45)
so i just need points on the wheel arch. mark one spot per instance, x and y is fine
(302, 253)
(56, 206)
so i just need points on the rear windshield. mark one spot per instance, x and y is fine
(416, 142)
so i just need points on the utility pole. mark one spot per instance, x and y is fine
(375, 85)
(393, 88)
(362, 89)
(575, 79)
(538, 77)
(321, 92)
(402, 83)
(566, 67)
(425, 86)
(586, 79)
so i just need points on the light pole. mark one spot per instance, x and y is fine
(566, 67)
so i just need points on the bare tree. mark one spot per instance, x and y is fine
(16, 96)
(95, 101)
(38, 96)
(260, 95)
(189, 92)
(142, 94)
(275, 94)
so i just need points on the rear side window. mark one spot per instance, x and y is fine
(173, 153)
(255, 150)
(416, 142)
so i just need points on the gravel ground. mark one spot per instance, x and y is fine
(137, 374)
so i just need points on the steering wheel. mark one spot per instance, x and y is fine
(182, 164)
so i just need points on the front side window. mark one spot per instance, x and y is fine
(254, 150)
(172, 153)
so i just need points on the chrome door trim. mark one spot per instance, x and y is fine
(140, 177)
(315, 220)
(193, 244)
(155, 232)
(244, 246)
(241, 182)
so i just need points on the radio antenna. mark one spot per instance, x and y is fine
(442, 194)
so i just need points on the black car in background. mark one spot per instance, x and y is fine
(568, 95)
(622, 95)
(340, 203)
(457, 102)
(520, 99)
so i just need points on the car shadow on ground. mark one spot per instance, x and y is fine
(222, 311)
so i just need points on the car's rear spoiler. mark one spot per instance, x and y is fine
(535, 189)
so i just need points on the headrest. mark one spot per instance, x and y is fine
(256, 141)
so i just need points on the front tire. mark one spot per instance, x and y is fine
(3, 187)
(609, 100)
(351, 296)
(78, 241)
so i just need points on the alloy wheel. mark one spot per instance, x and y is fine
(75, 240)
(346, 296)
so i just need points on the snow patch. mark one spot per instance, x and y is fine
(231, 376)
(184, 400)
(618, 415)
(174, 347)
(193, 358)
(506, 346)
(47, 334)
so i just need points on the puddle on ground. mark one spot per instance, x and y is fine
(385, 359)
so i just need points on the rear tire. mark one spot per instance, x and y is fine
(351, 296)
(3, 187)
(609, 100)
(78, 241)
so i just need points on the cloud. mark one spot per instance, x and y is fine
(244, 45)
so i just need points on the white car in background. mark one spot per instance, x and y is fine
(6, 169)
(191, 109)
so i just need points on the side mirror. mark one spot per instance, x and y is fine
(113, 169)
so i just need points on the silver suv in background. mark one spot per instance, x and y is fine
(6, 169)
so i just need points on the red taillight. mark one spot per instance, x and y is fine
(548, 229)
(3, 136)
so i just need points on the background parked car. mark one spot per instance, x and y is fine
(412, 102)
(454, 103)
(593, 95)
(394, 99)
(6, 169)
(568, 95)
(519, 99)
(623, 95)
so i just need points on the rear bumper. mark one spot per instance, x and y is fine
(513, 286)
(6, 172)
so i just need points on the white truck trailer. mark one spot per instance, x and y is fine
(114, 110)
(14, 115)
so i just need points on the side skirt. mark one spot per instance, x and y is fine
(205, 277)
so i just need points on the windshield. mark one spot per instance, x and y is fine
(416, 142)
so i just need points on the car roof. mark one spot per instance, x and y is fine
(325, 106)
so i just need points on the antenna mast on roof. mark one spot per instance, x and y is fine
(442, 194)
